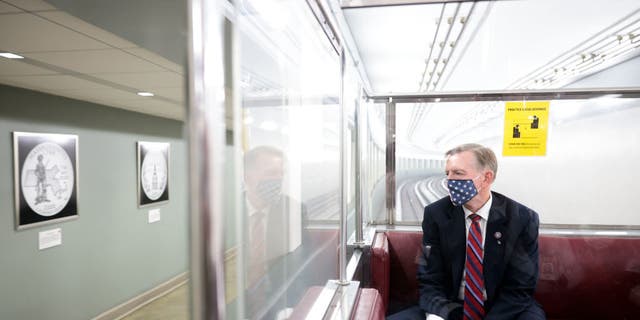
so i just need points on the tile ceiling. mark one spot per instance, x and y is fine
(66, 56)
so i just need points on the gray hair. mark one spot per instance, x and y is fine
(485, 158)
(252, 156)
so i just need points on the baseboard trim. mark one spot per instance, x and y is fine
(139, 301)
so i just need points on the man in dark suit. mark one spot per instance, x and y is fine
(275, 234)
(480, 247)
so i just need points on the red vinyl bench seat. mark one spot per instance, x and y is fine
(581, 277)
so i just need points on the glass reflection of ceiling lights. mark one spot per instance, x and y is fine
(617, 43)
(614, 44)
(449, 28)
(282, 57)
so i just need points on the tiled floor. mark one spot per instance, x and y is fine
(172, 306)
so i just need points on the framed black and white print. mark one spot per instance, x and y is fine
(153, 173)
(45, 178)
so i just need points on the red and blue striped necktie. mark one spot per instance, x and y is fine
(474, 279)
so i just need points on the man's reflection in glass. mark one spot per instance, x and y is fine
(273, 232)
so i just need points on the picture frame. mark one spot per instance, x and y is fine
(45, 178)
(153, 173)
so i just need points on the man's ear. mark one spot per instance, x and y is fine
(489, 176)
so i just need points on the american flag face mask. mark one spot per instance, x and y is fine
(461, 191)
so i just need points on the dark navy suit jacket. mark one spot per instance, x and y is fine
(510, 258)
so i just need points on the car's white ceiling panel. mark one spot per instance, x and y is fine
(502, 41)
(393, 41)
(521, 36)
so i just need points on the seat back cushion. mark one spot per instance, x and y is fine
(589, 277)
(404, 251)
(369, 305)
(380, 264)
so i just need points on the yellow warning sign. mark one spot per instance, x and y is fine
(525, 128)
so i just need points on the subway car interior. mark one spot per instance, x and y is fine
(279, 154)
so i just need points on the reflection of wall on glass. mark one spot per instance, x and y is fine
(45, 178)
(153, 172)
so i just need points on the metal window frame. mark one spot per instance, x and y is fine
(209, 66)
(474, 96)
(508, 95)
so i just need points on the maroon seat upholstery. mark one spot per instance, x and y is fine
(589, 277)
(369, 305)
(404, 250)
(580, 277)
(380, 274)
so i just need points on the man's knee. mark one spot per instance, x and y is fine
(534, 312)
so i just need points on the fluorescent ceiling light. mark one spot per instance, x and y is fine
(10, 55)
(145, 94)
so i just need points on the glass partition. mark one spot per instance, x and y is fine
(372, 126)
(287, 149)
(590, 144)
(351, 100)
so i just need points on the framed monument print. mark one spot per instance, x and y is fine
(45, 178)
(153, 172)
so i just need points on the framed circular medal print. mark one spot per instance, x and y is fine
(45, 178)
(153, 172)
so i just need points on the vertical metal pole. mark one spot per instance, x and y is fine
(359, 176)
(234, 120)
(206, 151)
(342, 257)
(391, 161)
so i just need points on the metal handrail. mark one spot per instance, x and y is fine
(504, 95)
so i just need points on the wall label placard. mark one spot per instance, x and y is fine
(154, 215)
(49, 238)
(525, 128)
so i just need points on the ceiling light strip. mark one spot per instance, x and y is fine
(579, 48)
(481, 22)
(433, 44)
(443, 46)
(457, 42)
(416, 112)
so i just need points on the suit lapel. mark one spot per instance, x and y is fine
(456, 245)
(495, 241)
